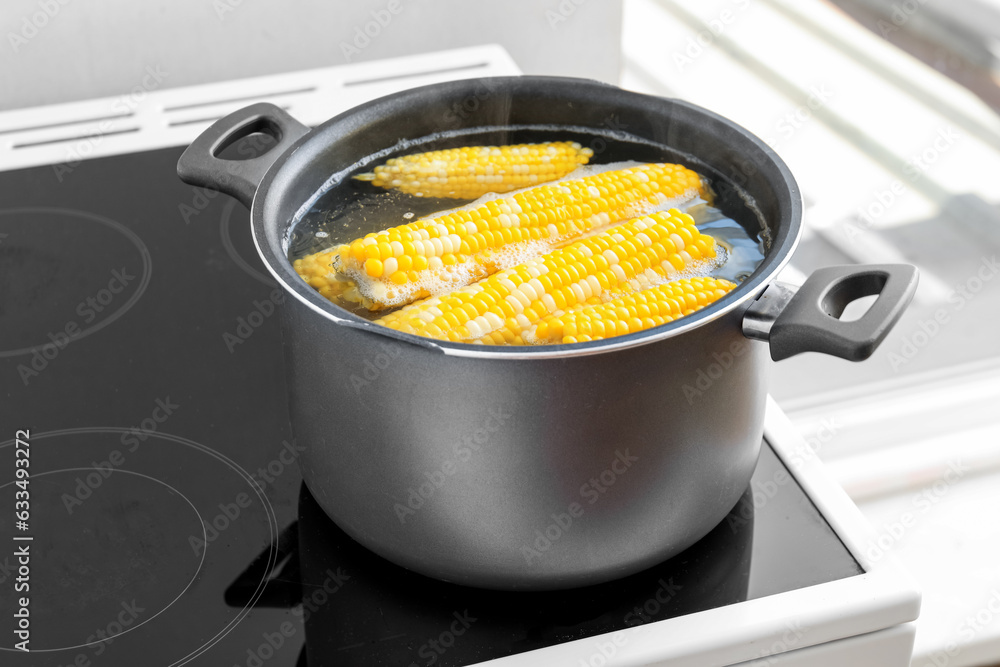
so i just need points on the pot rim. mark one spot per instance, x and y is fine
(775, 260)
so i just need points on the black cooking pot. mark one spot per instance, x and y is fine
(551, 466)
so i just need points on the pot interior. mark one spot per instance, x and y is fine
(752, 185)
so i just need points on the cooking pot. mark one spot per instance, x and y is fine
(551, 466)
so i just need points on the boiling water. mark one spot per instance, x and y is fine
(348, 209)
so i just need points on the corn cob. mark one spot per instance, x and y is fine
(315, 270)
(399, 265)
(630, 313)
(472, 171)
(626, 258)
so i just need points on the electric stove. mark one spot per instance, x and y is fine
(162, 517)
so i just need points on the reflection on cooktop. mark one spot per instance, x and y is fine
(378, 613)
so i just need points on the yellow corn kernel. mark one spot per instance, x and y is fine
(373, 268)
(317, 271)
(457, 248)
(469, 172)
(665, 303)
(513, 300)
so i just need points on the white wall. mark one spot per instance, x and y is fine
(63, 50)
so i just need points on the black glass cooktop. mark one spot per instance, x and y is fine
(166, 522)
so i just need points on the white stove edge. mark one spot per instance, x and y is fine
(874, 610)
(151, 117)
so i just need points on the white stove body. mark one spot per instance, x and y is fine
(865, 620)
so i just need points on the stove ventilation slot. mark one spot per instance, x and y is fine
(69, 133)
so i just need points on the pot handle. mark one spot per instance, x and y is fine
(807, 319)
(200, 165)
